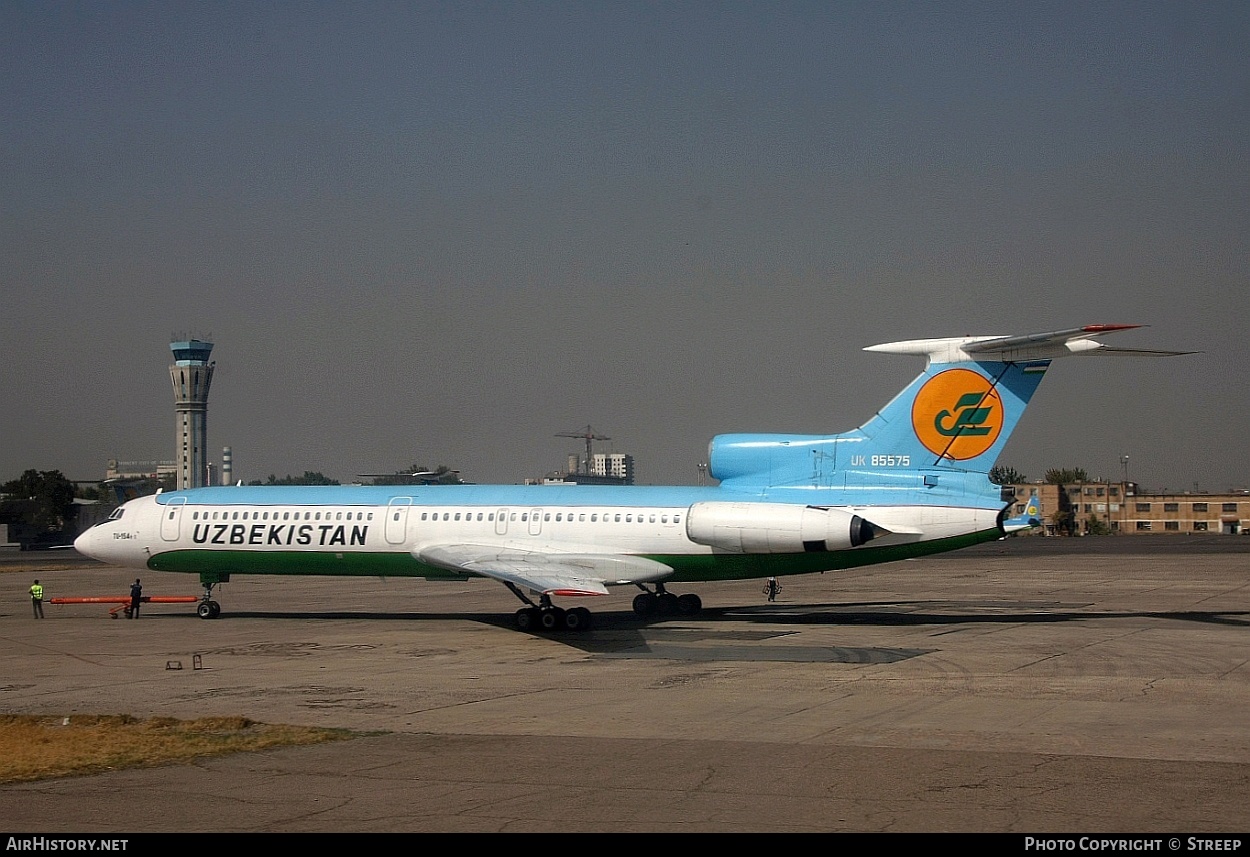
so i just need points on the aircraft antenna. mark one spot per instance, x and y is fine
(588, 435)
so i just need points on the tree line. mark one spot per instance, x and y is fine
(39, 508)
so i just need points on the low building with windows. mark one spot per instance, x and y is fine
(155, 470)
(1101, 508)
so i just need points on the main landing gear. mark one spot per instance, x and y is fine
(208, 608)
(545, 616)
(664, 603)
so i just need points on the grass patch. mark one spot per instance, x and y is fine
(40, 747)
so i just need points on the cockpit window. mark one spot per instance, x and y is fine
(117, 514)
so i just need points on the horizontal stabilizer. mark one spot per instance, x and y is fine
(1072, 342)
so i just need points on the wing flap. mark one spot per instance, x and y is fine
(548, 574)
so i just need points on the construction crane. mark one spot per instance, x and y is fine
(589, 436)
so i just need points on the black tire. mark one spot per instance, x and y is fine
(577, 619)
(204, 610)
(215, 609)
(525, 619)
(551, 620)
(645, 604)
(689, 604)
(667, 605)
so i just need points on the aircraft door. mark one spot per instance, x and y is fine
(501, 522)
(171, 518)
(536, 521)
(397, 520)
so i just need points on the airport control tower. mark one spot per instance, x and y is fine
(192, 374)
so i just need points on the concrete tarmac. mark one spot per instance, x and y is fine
(1097, 685)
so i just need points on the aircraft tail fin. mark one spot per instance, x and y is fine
(1030, 518)
(956, 415)
(123, 490)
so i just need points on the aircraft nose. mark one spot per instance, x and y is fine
(83, 543)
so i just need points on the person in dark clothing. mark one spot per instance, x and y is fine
(136, 595)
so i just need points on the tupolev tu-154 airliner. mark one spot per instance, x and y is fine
(912, 480)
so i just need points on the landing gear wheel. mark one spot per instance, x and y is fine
(526, 619)
(689, 604)
(204, 610)
(645, 604)
(577, 619)
(667, 604)
(551, 620)
(214, 609)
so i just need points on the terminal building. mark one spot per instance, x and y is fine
(1120, 508)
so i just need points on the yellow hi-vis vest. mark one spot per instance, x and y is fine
(36, 592)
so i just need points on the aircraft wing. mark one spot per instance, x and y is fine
(547, 574)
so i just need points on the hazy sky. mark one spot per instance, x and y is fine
(442, 233)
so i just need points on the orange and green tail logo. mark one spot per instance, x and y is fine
(957, 414)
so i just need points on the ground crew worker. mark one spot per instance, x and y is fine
(772, 589)
(136, 595)
(36, 599)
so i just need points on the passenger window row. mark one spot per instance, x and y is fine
(279, 515)
(558, 517)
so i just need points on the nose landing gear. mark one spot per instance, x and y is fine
(208, 608)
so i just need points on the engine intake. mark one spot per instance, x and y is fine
(776, 528)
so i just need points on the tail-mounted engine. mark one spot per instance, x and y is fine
(776, 528)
